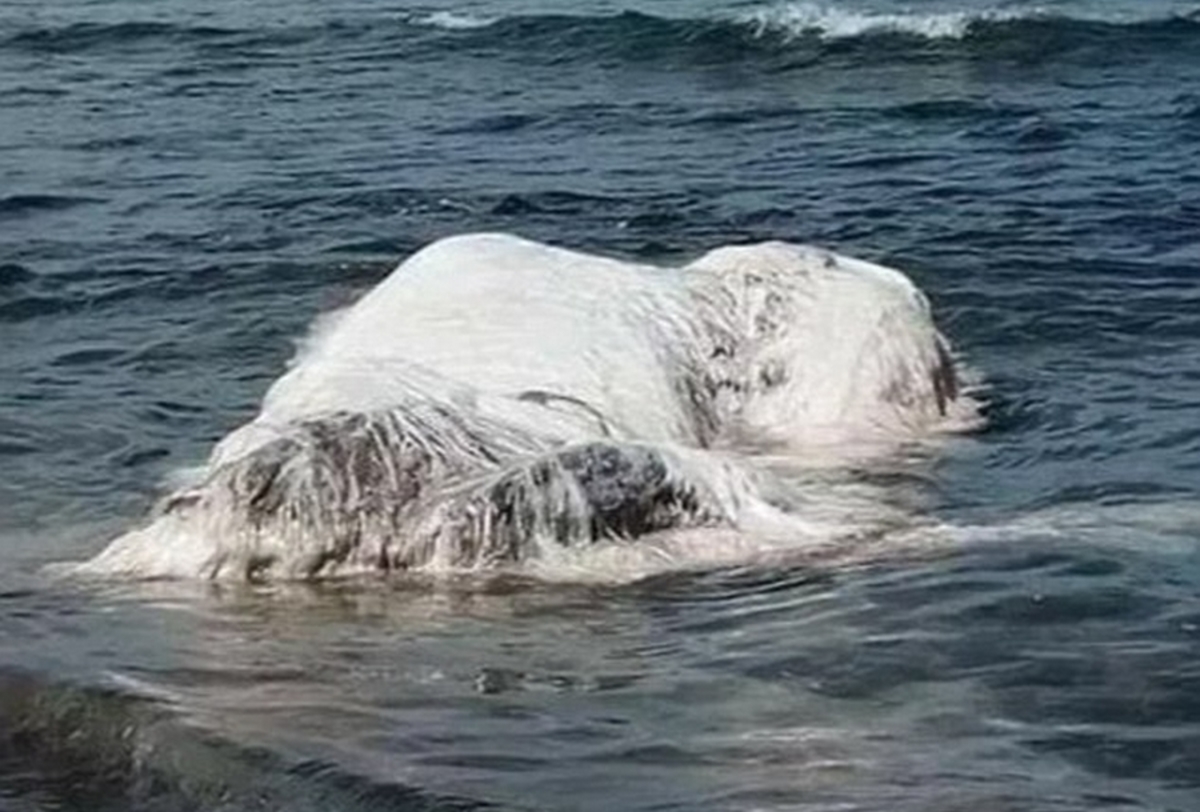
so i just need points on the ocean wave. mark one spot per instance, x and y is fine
(832, 22)
(638, 36)
(88, 35)
(822, 20)
(22, 204)
(798, 34)
(452, 20)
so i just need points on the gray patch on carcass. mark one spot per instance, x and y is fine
(576, 496)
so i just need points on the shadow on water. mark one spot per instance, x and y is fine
(74, 748)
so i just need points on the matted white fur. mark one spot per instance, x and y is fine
(495, 402)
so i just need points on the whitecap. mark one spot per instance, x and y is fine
(833, 22)
(452, 21)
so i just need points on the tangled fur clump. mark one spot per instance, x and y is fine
(495, 400)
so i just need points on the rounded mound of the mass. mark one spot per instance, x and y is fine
(495, 400)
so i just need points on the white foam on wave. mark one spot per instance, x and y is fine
(1167, 527)
(452, 21)
(833, 22)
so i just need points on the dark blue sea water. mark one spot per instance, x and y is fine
(184, 187)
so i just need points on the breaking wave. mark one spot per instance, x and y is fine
(783, 23)
(453, 21)
(831, 22)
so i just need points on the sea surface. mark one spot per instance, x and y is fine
(184, 187)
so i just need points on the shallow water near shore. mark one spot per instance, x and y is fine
(184, 189)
